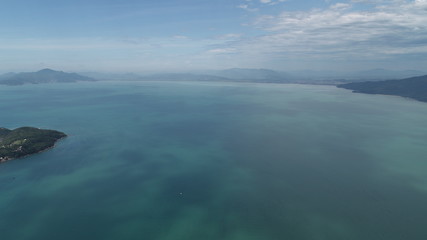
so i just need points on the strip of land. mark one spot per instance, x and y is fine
(415, 87)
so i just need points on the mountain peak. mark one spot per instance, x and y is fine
(43, 76)
(47, 70)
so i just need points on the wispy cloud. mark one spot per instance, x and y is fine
(271, 2)
(247, 7)
(255, 5)
(347, 31)
(341, 31)
(222, 50)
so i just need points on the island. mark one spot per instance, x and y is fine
(25, 141)
(415, 87)
(42, 76)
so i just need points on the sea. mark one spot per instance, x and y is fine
(215, 161)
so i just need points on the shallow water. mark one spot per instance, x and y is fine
(215, 161)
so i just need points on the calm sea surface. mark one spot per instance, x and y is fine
(215, 161)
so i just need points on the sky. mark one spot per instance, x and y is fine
(197, 35)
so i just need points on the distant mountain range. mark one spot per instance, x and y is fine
(257, 75)
(42, 76)
(415, 87)
(112, 76)
(265, 75)
(227, 75)
(183, 77)
(384, 74)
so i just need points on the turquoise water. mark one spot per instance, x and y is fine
(167, 161)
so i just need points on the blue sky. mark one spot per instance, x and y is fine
(188, 35)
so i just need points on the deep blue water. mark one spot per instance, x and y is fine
(162, 161)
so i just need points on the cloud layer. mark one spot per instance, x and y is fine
(389, 29)
(280, 34)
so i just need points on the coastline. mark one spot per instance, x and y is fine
(7, 159)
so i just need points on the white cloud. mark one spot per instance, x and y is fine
(396, 28)
(247, 8)
(229, 36)
(222, 50)
(271, 2)
(392, 29)
(252, 6)
(341, 6)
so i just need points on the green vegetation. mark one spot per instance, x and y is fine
(25, 141)
(415, 88)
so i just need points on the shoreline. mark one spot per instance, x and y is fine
(7, 159)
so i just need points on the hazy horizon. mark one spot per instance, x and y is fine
(206, 71)
(189, 35)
